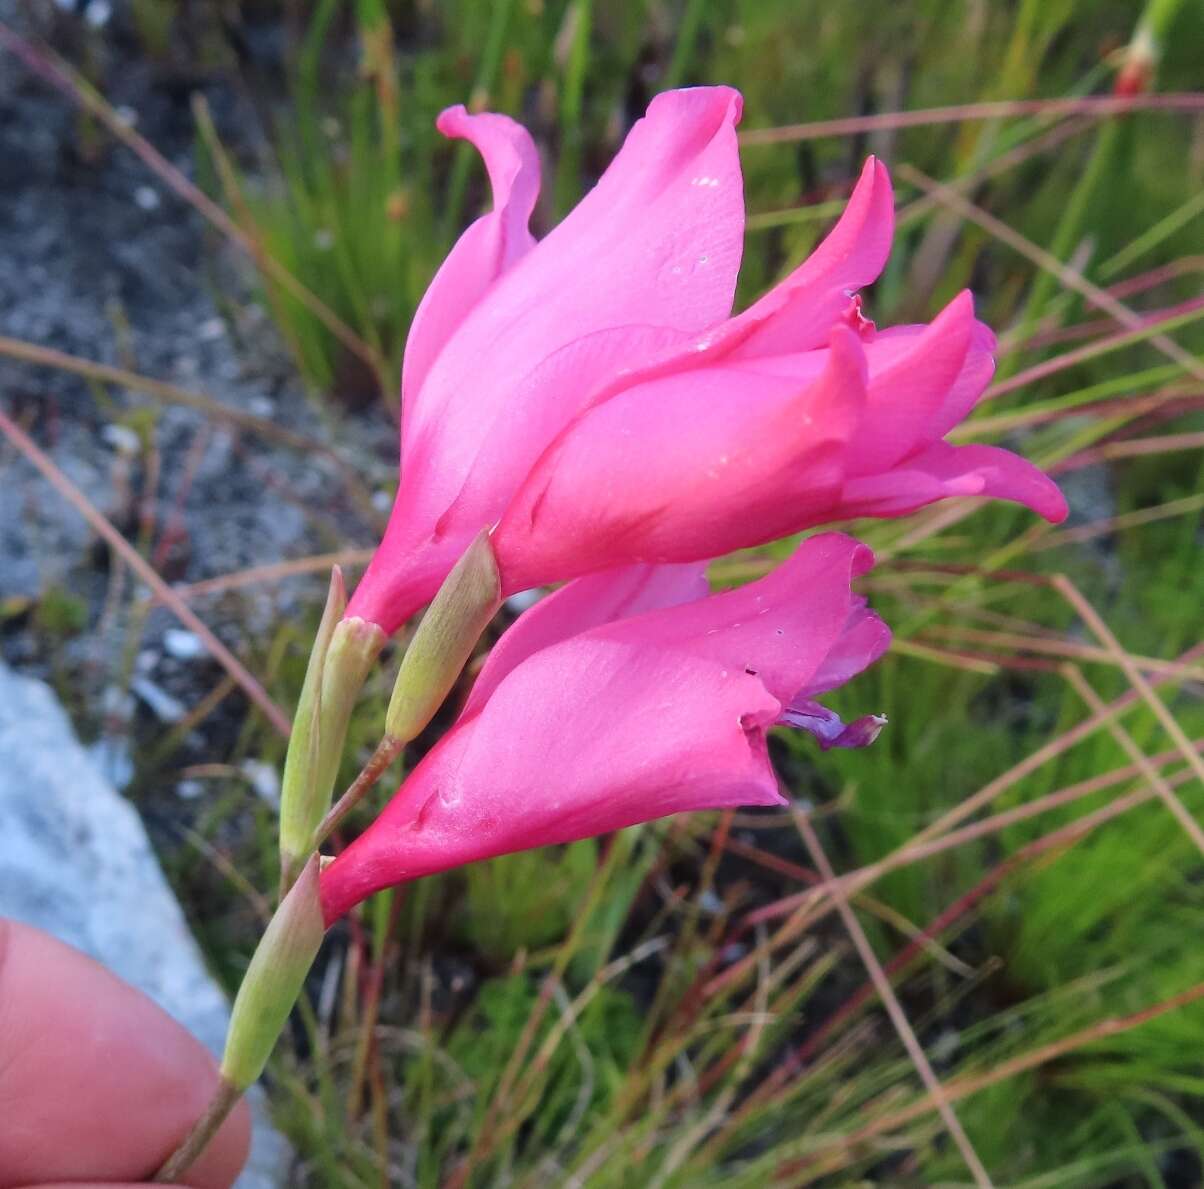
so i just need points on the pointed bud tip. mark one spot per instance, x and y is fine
(480, 559)
(445, 638)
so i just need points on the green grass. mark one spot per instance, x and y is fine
(661, 1008)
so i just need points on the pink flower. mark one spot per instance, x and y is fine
(697, 460)
(623, 697)
(591, 393)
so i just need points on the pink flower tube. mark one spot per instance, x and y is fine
(626, 696)
(590, 395)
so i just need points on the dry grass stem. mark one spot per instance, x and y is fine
(249, 684)
(891, 1002)
(1099, 106)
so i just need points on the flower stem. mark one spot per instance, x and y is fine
(387, 750)
(224, 1100)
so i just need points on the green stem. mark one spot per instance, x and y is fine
(224, 1100)
(387, 750)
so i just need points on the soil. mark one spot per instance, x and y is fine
(102, 262)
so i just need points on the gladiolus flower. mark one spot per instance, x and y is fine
(591, 396)
(698, 461)
(623, 697)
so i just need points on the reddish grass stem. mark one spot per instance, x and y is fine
(968, 1084)
(961, 113)
(185, 614)
(893, 1008)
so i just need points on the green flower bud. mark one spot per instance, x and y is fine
(444, 640)
(343, 652)
(273, 980)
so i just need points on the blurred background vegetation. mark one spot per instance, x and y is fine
(672, 1006)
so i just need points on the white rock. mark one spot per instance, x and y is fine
(123, 439)
(163, 705)
(111, 755)
(189, 790)
(183, 644)
(97, 13)
(76, 862)
(265, 781)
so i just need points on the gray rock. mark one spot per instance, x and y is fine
(76, 862)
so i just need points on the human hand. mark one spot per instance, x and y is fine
(97, 1083)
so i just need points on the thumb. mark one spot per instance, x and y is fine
(97, 1083)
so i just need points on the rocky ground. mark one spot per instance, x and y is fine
(101, 261)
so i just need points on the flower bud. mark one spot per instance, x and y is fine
(343, 651)
(273, 980)
(444, 640)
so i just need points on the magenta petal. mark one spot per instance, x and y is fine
(942, 470)
(513, 167)
(790, 629)
(661, 234)
(484, 252)
(582, 604)
(863, 640)
(406, 570)
(901, 349)
(540, 405)
(655, 244)
(685, 467)
(971, 383)
(638, 733)
(797, 314)
(1003, 475)
(908, 389)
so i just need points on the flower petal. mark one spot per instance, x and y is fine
(541, 404)
(863, 641)
(656, 243)
(685, 467)
(485, 251)
(792, 629)
(909, 388)
(582, 604)
(639, 733)
(797, 314)
(971, 383)
(942, 470)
